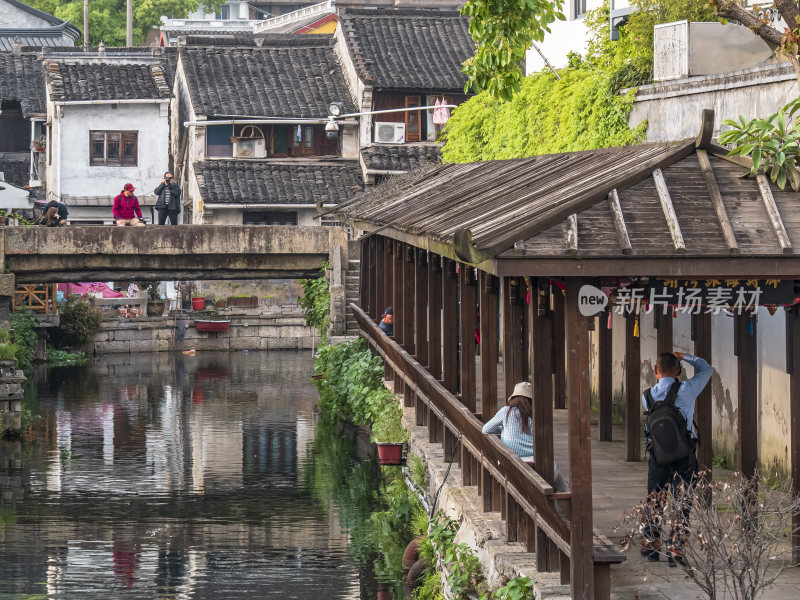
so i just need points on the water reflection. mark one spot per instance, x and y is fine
(173, 476)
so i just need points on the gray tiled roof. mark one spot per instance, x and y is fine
(252, 182)
(408, 49)
(298, 78)
(400, 157)
(71, 82)
(22, 80)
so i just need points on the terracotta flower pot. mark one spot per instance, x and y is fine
(390, 453)
(199, 303)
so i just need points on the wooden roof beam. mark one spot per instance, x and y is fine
(773, 213)
(716, 201)
(572, 234)
(669, 212)
(619, 222)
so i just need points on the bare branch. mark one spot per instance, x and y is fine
(729, 9)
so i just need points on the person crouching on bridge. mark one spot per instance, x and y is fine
(514, 423)
(126, 208)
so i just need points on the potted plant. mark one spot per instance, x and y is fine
(390, 435)
(198, 302)
(219, 302)
(155, 305)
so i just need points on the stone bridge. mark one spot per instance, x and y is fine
(187, 252)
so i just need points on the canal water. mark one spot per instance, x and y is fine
(173, 476)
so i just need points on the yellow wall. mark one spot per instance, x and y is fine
(328, 27)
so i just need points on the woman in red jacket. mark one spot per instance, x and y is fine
(126, 205)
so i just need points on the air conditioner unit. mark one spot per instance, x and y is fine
(390, 133)
(249, 148)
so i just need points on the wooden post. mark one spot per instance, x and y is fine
(633, 393)
(559, 377)
(489, 342)
(701, 335)
(421, 306)
(605, 391)
(793, 364)
(378, 300)
(397, 291)
(745, 336)
(541, 356)
(450, 327)
(663, 331)
(409, 279)
(512, 333)
(467, 308)
(580, 446)
(388, 274)
(435, 315)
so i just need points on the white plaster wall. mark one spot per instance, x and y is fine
(673, 110)
(618, 363)
(78, 178)
(648, 344)
(724, 387)
(350, 145)
(773, 387)
(13, 18)
(564, 37)
(12, 197)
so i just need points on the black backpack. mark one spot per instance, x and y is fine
(668, 438)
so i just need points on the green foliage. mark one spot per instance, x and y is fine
(431, 588)
(519, 588)
(151, 287)
(61, 358)
(720, 461)
(351, 383)
(582, 110)
(107, 17)
(17, 217)
(418, 472)
(388, 424)
(79, 320)
(316, 302)
(24, 337)
(771, 144)
(503, 30)
(8, 351)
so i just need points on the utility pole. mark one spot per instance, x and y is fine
(129, 25)
(85, 25)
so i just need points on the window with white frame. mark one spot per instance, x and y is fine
(579, 8)
(113, 148)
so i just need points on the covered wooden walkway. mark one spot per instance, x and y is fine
(489, 246)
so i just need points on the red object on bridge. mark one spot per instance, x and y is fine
(211, 325)
(199, 303)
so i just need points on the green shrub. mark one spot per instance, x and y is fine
(60, 358)
(388, 425)
(79, 320)
(316, 302)
(8, 351)
(24, 336)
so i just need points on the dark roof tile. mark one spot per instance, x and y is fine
(22, 81)
(408, 50)
(272, 81)
(399, 157)
(251, 182)
(71, 82)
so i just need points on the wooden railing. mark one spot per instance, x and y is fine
(533, 512)
(40, 298)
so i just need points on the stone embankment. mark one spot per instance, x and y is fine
(484, 532)
(11, 380)
(282, 328)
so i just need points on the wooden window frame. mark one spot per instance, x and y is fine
(413, 102)
(123, 138)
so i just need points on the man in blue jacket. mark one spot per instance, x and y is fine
(667, 369)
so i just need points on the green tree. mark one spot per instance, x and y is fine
(107, 17)
(582, 108)
(503, 30)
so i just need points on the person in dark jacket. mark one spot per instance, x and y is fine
(168, 203)
(126, 208)
(54, 214)
(386, 324)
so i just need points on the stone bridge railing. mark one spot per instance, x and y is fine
(187, 252)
